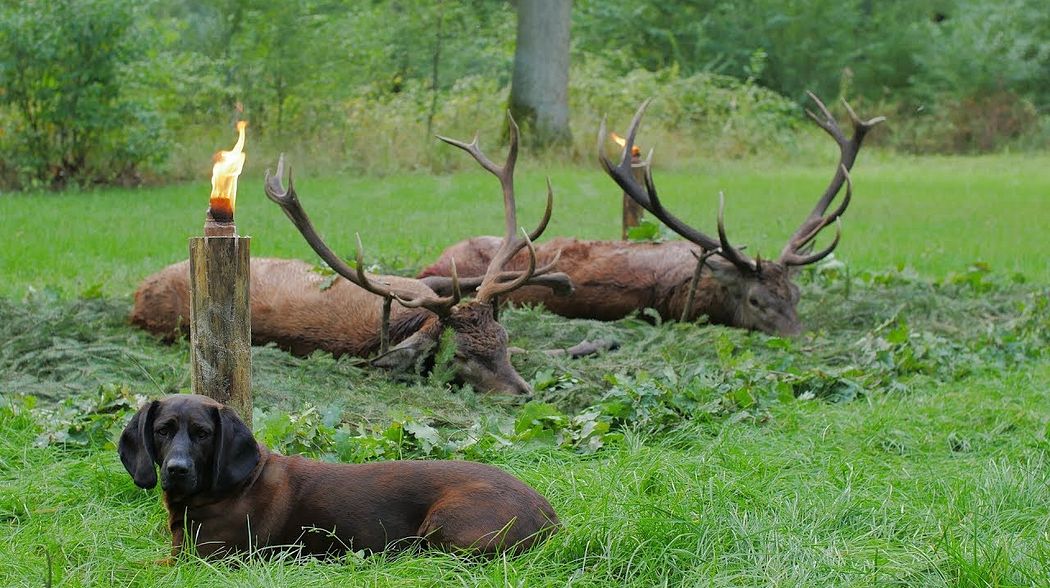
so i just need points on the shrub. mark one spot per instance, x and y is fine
(67, 82)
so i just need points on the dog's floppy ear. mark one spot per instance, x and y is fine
(136, 449)
(236, 452)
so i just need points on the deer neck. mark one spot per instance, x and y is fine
(406, 324)
(714, 298)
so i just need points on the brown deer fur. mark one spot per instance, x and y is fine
(612, 279)
(291, 307)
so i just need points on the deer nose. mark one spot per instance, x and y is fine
(178, 468)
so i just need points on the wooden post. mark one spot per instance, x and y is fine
(632, 212)
(220, 317)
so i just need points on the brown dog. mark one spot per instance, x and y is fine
(236, 496)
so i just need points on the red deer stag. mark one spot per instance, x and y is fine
(291, 307)
(680, 280)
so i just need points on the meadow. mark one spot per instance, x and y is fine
(901, 440)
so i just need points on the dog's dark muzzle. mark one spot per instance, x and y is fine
(178, 474)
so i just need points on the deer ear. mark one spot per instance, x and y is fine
(723, 271)
(407, 355)
(236, 452)
(136, 448)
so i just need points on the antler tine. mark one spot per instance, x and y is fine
(496, 281)
(806, 260)
(508, 275)
(817, 224)
(828, 122)
(796, 257)
(362, 278)
(439, 305)
(535, 234)
(543, 269)
(648, 198)
(848, 150)
(288, 200)
(504, 173)
(621, 173)
(725, 249)
(491, 286)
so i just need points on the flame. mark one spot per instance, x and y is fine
(635, 150)
(228, 165)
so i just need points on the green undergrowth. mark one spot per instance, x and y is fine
(81, 365)
(902, 440)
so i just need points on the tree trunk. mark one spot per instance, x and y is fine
(539, 91)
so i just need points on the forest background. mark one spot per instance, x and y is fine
(112, 92)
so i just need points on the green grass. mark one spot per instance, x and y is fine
(934, 214)
(865, 493)
(935, 474)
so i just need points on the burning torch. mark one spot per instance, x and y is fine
(220, 313)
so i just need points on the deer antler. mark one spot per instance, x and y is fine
(648, 199)
(816, 221)
(288, 200)
(496, 281)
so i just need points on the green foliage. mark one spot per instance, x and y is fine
(719, 114)
(50, 347)
(74, 112)
(85, 420)
(650, 231)
(985, 48)
(954, 75)
(113, 92)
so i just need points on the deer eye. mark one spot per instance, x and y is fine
(753, 301)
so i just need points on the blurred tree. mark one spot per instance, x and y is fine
(539, 91)
(64, 70)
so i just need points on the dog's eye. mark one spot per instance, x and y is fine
(202, 434)
(164, 431)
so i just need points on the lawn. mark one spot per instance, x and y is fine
(902, 440)
(936, 215)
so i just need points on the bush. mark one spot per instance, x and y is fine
(972, 124)
(719, 114)
(67, 85)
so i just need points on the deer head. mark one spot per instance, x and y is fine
(481, 357)
(757, 294)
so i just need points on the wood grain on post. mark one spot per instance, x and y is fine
(632, 212)
(220, 321)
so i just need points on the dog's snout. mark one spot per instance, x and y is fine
(177, 468)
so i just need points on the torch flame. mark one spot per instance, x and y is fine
(228, 165)
(635, 150)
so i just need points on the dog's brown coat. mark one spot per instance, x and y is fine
(237, 496)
